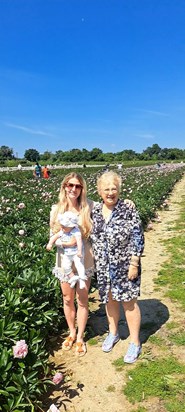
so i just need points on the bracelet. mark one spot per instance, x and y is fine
(133, 264)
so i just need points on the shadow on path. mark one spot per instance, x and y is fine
(153, 315)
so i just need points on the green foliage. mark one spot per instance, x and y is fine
(163, 378)
(92, 341)
(6, 153)
(172, 325)
(119, 364)
(172, 272)
(30, 299)
(178, 338)
(151, 154)
(156, 340)
(32, 155)
(174, 405)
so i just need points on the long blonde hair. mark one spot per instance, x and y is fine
(62, 206)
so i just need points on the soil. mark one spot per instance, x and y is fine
(92, 383)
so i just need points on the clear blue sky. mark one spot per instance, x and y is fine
(92, 73)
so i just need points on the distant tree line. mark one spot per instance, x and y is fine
(153, 152)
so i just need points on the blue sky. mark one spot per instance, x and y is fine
(92, 73)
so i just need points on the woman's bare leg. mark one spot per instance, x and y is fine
(82, 310)
(133, 318)
(113, 314)
(69, 307)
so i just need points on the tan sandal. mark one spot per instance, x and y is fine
(68, 343)
(81, 349)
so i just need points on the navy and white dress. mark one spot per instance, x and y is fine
(114, 242)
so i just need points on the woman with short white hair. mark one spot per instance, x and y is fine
(118, 242)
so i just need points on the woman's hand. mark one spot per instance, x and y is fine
(132, 272)
(129, 202)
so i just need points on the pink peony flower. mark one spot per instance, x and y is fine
(20, 350)
(21, 205)
(57, 378)
(53, 408)
(21, 232)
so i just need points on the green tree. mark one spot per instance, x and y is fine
(32, 155)
(95, 153)
(6, 153)
(128, 155)
(46, 155)
(75, 155)
(86, 155)
(152, 151)
(109, 157)
(175, 154)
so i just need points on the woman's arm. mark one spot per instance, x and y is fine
(79, 245)
(137, 237)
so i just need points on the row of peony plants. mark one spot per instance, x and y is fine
(30, 299)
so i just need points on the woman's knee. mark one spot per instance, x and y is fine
(82, 299)
(130, 305)
(68, 300)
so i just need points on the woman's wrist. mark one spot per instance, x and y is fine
(135, 261)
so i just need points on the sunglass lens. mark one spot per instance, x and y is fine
(71, 185)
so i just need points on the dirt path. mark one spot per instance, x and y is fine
(93, 384)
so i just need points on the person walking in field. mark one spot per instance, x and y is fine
(45, 172)
(37, 171)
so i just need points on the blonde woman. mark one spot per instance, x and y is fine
(118, 243)
(73, 197)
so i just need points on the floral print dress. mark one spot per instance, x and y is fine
(114, 242)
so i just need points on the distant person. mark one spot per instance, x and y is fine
(19, 167)
(37, 171)
(105, 168)
(45, 172)
(119, 166)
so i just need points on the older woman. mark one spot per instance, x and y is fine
(118, 242)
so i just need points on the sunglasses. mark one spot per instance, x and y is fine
(71, 185)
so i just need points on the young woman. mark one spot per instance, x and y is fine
(73, 197)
